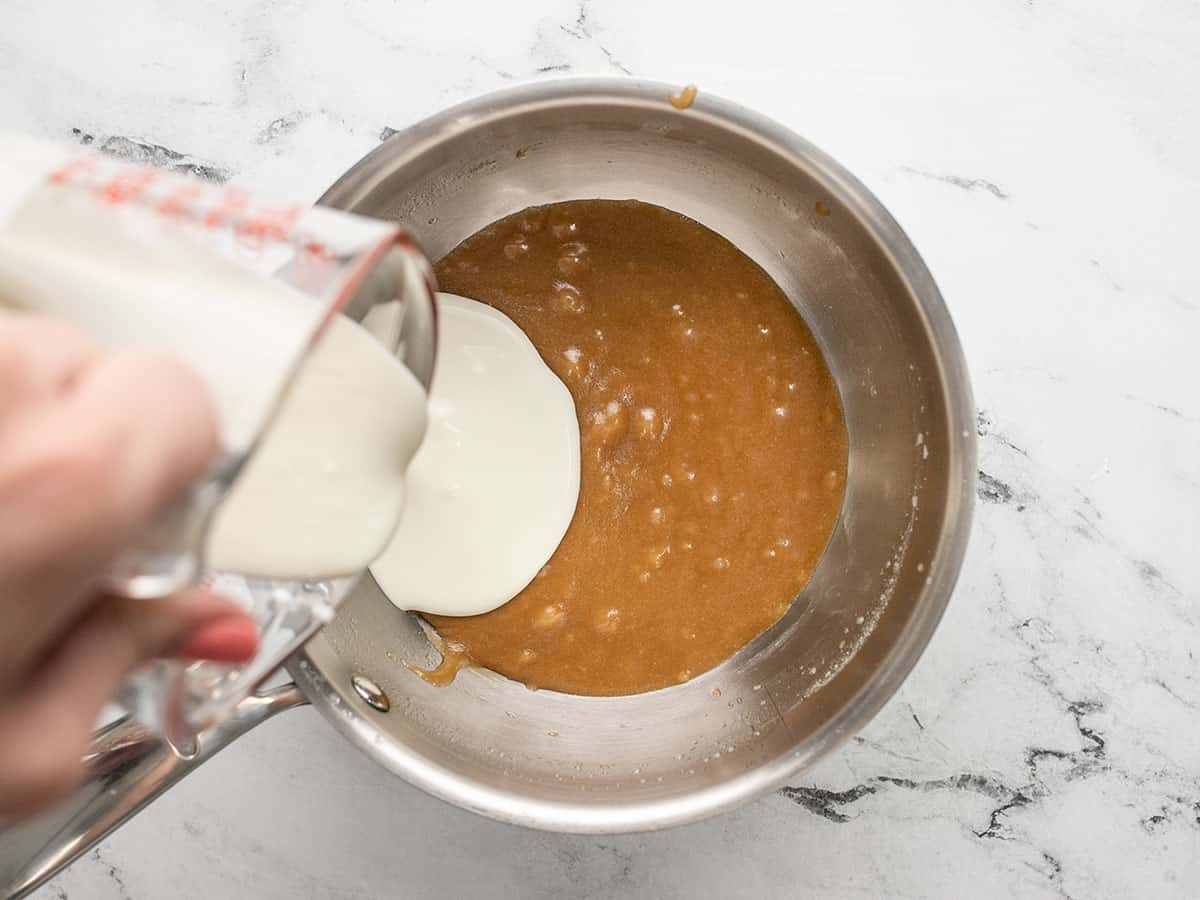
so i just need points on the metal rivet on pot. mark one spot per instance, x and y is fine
(371, 692)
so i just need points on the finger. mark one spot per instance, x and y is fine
(79, 481)
(45, 731)
(40, 358)
(154, 414)
(86, 473)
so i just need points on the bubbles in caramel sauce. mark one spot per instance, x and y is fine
(568, 298)
(702, 508)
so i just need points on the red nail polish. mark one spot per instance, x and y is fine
(232, 640)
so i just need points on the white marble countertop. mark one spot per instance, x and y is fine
(1043, 156)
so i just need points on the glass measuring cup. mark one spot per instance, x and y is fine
(141, 258)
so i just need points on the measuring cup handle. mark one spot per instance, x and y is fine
(128, 766)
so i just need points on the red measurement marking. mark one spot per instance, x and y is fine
(80, 165)
(315, 253)
(265, 225)
(178, 204)
(280, 221)
(313, 262)
(126, 186)
(233, 203)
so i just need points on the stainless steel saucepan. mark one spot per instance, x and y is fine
(585, 764)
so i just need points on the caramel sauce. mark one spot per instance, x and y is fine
(685, 98)
(713, 447)
(454, 658)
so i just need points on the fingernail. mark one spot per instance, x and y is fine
(233, 640)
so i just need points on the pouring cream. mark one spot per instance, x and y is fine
(501, 435)
(320, 496)
(493, 488)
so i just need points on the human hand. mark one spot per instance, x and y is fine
(93, 445)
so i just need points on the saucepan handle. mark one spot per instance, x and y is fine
(128, 766)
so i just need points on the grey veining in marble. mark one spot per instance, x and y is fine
(1043, 155)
